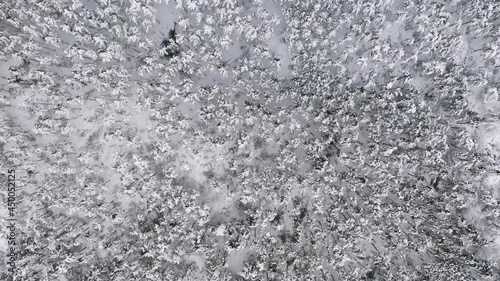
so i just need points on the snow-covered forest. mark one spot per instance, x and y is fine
(251, 139)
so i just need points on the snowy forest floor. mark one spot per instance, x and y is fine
(251, 140)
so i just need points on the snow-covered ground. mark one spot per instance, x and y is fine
(282, 140)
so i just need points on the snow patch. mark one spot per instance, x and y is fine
(488, 138)
(237, 259)
(418, 82)
(198, 260)
(491, 95)
(276, 44)
(5, 65)
(460, 51)
(221, 230)
(493, 181)
(166, 16)
(391, 31)
(493, 251)
(279, 47)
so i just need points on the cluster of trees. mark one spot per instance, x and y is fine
(360, 166)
